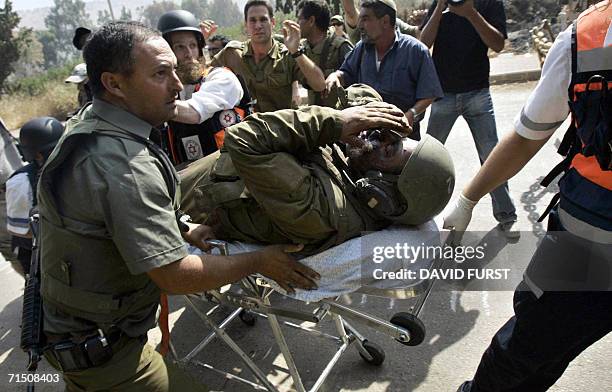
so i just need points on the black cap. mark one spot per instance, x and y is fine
(79, 33)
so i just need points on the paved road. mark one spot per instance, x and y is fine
(459, 324)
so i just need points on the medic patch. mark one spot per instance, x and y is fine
(193, 148)
(227, 118)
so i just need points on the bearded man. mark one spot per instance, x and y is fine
(212, 98)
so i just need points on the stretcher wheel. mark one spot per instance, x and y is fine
(375, 351)
(413, 324)
(247, 317)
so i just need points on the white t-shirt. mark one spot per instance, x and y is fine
(19, 202)
(547, 106)
(221, 90)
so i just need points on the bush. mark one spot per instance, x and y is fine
(37, 84)
(57, 100)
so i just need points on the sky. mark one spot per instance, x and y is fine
(29, 4)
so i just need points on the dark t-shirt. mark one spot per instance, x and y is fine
(459, 53)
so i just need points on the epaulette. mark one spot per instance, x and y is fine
(235, 45)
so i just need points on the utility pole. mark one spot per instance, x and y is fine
(110, 8)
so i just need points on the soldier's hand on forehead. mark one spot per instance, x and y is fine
(208, 28)
(292, 35)
(373, 115)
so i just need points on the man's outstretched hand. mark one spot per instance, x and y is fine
(373, 115)
(276, 263)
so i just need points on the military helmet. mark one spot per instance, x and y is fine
(40, 134)
(180, 20)
(423, 187)
(355, 95)
(426, 182)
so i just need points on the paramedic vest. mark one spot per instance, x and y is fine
(190, 142)
(586, 187)
(73, 263)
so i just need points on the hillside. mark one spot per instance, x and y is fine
(35, 18)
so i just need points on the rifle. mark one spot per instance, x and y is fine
(32, 338)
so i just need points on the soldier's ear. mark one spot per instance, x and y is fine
(112, 84)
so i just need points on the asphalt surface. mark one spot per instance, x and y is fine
(459, 323)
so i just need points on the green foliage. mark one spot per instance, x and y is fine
(153, 12)
(104, 16)
(10, 44)
(223, 12)
(126, 14)
(38, 84)
(64, 18)
(31, 58)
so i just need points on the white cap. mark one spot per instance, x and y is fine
(78, 75)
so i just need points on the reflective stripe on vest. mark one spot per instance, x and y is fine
(593, 55)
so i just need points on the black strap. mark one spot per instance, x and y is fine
(551, 205)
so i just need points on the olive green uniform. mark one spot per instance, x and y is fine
(404, 28)
(336, 49)
(107, 217)
(269, 81)
(268, 184)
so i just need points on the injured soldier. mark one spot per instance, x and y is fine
(318, 176)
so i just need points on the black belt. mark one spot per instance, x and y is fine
(81, 353)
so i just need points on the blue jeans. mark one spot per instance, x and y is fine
(476, 107)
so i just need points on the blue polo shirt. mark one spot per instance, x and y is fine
(407, 72)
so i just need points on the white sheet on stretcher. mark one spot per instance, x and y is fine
(347, 267)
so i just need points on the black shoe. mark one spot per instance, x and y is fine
(465, 387)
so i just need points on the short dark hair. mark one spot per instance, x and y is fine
(380, 9)
(254, 3)
(219, 37)
(317, 8)
(110, 49)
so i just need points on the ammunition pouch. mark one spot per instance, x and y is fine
(91, 350)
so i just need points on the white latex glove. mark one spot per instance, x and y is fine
(459, 217)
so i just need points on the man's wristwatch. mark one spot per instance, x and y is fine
(414, 112)
(298, 52)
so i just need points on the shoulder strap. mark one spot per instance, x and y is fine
(325, 53)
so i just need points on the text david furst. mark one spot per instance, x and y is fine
(445, 274)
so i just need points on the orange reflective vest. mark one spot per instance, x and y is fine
(189, 142)
(586, 187)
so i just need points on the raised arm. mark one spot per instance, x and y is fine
(313, 75)
(430, 30)
(491, 36)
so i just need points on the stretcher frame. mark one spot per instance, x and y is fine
(254, 301)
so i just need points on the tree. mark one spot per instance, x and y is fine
(126, 14)
(104, 16)
(62, 21)
(197, 7)
(224, 13)
(153, 12)
(11, 44)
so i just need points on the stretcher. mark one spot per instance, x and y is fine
(349, 265)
